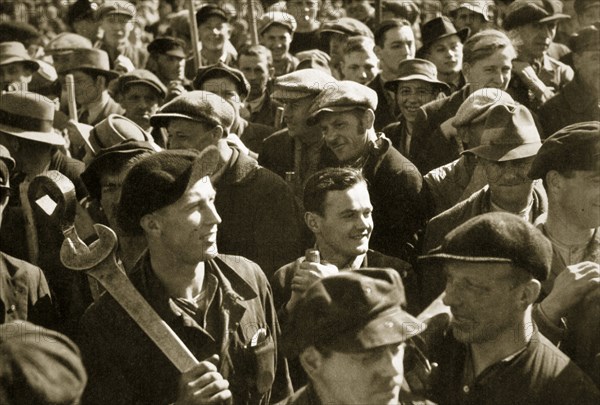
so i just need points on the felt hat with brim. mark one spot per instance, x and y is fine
(438, 28)
(112, 130)
(66, 42)
(29, 116)
(509, 134)
(141, 76)
(168, 46)
(15, 52)
(344, 96)
(497, 237)
(350, 312)
(522, 12)
(416, 69)
(90, 60)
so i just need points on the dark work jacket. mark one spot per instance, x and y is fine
(266, 114)
(125, 367)
(539, 375)
(252, 134)
(574, 103)
(260, 220)
(384, 114)
(397, 133)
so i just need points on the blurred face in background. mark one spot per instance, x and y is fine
(446, 54)
(304, 11)
(360, 67)
(257, 71)
(116, 28)
(170, 67)
(535, 38)
(465, 18)
(398, 45)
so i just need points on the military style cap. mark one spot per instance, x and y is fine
(141, 76)
(586, 39)
(416, 69)
(66, 42)
(116, 8)
(476, 107)
(523, 12)
(313, 59)
(39, 366)
(277, 18)
(509, 134)
(222, 70)
(301, 83)
(497, 237)
(347, 26)
(201, 106)
(575, 147)
(159, 180)
(210, 10)
(167, 46)
(107, 157)
(343, 96)
(15, 52)
(352, 311)
(438, 28)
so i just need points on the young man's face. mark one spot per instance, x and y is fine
(87, 89)
(295, 113)
(398, 45)
(483, 299)
(446, 54)
(359, 9)
(111, 185)
(344, 133)
(346, 225)
(304, 11)
(466, 18)
(170, 67)
(590, 15)
(257, 71)
(188, 227)
(213, 33)
(413, 94)
(360, 67)
(14, 74)
(535, 38)
(227, 89)
(116, 28)
(370, 377)
(140, 102)
(189, 134)
(578, 197)
(277, 39)
(493, 71)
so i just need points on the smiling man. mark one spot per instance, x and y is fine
(214, 31)
(276, 30)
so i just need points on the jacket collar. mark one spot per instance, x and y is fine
(241, 168)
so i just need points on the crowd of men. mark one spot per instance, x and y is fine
(326, 202)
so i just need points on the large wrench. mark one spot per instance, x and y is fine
(98, 260)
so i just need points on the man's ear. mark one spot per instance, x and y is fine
(218, 133)
(311, 360)
(313, 221)
(530, 293)
(466, 70)
(368, 118)
(151, 224)
(554, 181)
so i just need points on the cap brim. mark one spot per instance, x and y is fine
(50, 138)
(501, 153)
(33, 65)
(160, 120)
(393, 84)
(177, 54)
(555, 17)
(110, 74)
(471, 259)
(312, 120)
(160, 91)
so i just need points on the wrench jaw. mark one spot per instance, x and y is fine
(76, 255)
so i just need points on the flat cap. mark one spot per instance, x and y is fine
(497, 237)
(314, 59)
(201, 106)
(476, 107)
(168, 46)
(110, 158)
(66, 42)
(345, 95)
(141, 76)
(219, 70)
(210, 10)
(523, 12)
(301, 83)
(352, 311)
(416, 69)
(575, 147)
(159, 180)
(586, 39)
(116, 7)
(39, 366)
(347, 26)
(509, 134)
(279, 18)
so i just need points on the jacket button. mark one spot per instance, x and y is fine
(11, 309)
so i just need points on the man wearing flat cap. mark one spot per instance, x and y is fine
(350, 332)
(259, 216)
(345, 115)
(493, 352)
(276, 30)
(220, 306)
(532, 26)
(214, 32)
(569, 165)
(16, 66)
(167, 60)
(578, 100)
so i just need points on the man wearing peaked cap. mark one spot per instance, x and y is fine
(495, 264)
(350, 333)
(167, 59)
(536, 76)
(220, 306)
(257, 208)
(297, 151)
(276, 30)
(578, 100)
(569, 164)
(472, 14)
(314, 59)
(214, 32)
(81, 18)
(508, 145)
(16, 66)
(345, 115)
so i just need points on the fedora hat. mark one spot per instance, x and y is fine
(29, 116)
(523, 12)
(14, 52)
(416, 69)
(438, 28)
(91, 60)
(509, 134)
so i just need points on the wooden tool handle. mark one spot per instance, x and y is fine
(70, 81)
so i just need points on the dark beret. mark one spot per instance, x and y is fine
(219, 70)
(497, 237)
(351, 311)
(157, 181)
(575, 147)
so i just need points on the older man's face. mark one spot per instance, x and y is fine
(189, 134)
(508, 180)
(535, 38)
(344, 133)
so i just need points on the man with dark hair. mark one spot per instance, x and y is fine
(167, 60)
(276, 30)
(81, 18)
(214, 32)
(219, 306)
(16, 66)
(394, 43)
(492, 352)
(569, 166)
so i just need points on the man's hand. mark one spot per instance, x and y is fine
(525, 71)
(123, 64)
(305, 274)
(203, 384)
(571, 286)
